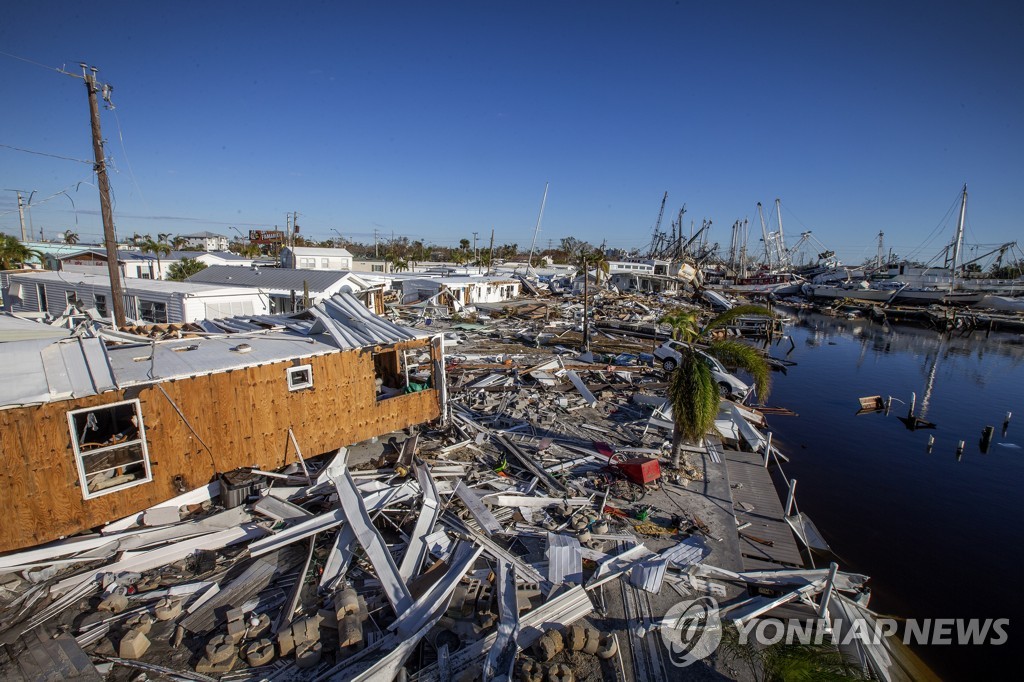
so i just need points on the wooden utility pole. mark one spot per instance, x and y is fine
(21, 216)
(109, 239)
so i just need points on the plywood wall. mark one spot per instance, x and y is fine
(240, 418)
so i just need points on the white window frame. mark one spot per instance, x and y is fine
(294, 385)
(140, 439)
(144, 301)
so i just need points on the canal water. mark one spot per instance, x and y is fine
(941, 535)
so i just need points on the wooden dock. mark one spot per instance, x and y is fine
(756, 501)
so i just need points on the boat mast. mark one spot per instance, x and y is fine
(764, 236)
(958, 242)
(529, 260)
(780, 246)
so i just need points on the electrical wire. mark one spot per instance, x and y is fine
(40, 65)
(52, 156)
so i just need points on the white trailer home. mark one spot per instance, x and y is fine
(146, 300)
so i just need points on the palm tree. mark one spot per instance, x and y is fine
(178, 242)
(693, 393)
(70, 237)
(464, 244)
(159, 248)
(184, 269)
(14, 254)
(163, 237)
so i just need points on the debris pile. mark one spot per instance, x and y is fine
(537, 533)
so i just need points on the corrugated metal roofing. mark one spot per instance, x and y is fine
(565, 559)
(42, 370)
(39, 370)
(270, 278)
(132, 285)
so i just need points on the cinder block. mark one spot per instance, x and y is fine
(259, 652)
(115, 603)
(206, 666)
(143, 622)
(220, 648)
(167, 609)
(133, 645)
(308, 654)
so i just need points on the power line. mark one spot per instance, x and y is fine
(34, 63)
(53, 156)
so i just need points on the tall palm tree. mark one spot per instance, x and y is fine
(178, 242)
(156, 247)
(14, 254)
(693, 393)
(163, 237)
(185, 268)
(70, 237)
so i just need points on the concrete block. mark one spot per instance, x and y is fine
(258, 626)
(347, 602)
(235, 614)
(207, 667)
(285, 642)
(592, 644)
(133, 645)
(143, 622)
(350, 631)
(220, 648)
(576, 637)
(259, 652)
(167, 609)
(115, 603)
(307, 655)
(236, 630)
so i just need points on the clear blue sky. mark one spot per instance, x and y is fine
(437, 119)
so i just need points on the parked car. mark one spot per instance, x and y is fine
(728, 385)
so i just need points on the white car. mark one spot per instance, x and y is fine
(728, 385)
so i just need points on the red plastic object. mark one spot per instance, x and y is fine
(640, 470)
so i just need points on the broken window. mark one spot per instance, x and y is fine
(300, 377)
(101, 304)
(390, 373)
(153, 311)
(110, 447)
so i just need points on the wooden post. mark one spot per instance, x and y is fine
(913, 404)
(767, 449)
(109, 239)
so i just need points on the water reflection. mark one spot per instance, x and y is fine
(897, 504)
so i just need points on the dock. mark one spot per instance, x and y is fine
(756, 501)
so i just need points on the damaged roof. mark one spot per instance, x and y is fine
(43, 370)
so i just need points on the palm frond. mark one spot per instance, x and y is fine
(736, 354)
(730, 315)
(684, 323)
(694, 396)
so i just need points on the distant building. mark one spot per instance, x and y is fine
(288, 290)
(141, 265)
(313, 258)
(461, 290)
(158, 302)
(206, 241)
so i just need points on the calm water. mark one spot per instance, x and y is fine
(940, 538)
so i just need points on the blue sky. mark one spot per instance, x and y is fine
(435, 120)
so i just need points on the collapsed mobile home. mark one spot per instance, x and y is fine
(93, 431)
